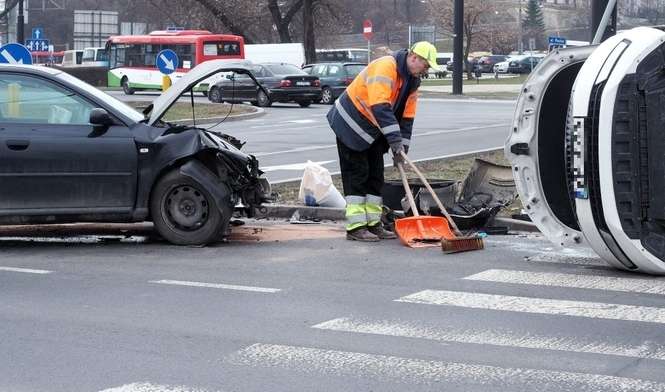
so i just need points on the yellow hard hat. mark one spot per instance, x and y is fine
(427, 51)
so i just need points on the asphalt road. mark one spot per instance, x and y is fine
(287, 136)
(298, 308)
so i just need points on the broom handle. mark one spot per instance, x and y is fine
(407, 190)
(434, 196)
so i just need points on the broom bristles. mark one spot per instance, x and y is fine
(464, 244)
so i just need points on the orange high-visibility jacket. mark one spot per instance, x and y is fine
(381, 101)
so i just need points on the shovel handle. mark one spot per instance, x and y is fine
(434, 196)
(407, 189)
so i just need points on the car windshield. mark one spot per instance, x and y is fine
(284, 69)
(120, 106)
(353, 70)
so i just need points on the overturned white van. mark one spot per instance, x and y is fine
(587, 148)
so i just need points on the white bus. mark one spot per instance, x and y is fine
(95, 57)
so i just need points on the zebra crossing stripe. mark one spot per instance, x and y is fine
(148, 387)
(496, 337)
(25, 270)
(538, 305)
(418, 371)
(630, 285)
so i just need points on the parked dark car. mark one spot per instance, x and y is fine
(335, 77)
(472, 61)
(282, 82)
(486, 63)
(72, 153)
(523, 66)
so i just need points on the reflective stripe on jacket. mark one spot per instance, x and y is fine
(381, 100)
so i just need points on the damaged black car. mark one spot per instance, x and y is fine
(71, 153)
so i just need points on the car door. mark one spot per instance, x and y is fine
(52, 161)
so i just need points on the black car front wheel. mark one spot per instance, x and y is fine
(327, 96)
(262, 99)
(215, 95)
(183, 212)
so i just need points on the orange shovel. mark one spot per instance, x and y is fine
(419, 231)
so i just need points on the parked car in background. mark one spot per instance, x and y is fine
(72, 153)
(282, 83)
(486, 63)
(524, 65)
(502, 67)
(334, 77)
(472, 62)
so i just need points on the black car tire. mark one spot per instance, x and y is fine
(262, 99)
(327, 96)
(125, 86)
(304, 104)
(215, 95)
(183, 212)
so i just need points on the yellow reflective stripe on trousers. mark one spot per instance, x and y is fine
(373, 208)
(355, 216)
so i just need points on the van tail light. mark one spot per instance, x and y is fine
(285, 83)
(316, 83)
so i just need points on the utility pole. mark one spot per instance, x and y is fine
(597, 9)
(20, 25)
(458, 47)
(520, 36)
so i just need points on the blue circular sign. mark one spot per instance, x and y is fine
(167, 61)
(15, 54)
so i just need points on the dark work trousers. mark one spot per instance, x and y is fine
(362, 171)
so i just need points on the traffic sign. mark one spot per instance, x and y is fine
(15, 54)
(167, 61)
(37, 33)
(367, 29)
(37, 45)
(557, 41)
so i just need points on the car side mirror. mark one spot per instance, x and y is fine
(100, 117)
(101, 121)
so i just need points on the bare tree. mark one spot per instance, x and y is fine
(474, 12)
(283, 21)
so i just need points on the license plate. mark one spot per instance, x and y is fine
(302, 83)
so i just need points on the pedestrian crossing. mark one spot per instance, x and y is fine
(509, 372)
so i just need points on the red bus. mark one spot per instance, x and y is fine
(132, 57)
(47, 58)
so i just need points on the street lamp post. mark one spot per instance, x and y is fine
(20, 25)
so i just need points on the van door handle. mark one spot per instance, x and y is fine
(18, 145)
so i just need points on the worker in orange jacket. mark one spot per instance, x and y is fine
(373, 115)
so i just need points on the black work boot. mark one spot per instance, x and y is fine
(382, 233)
(361, 234)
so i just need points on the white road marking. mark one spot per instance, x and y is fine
(148, 387)
(415, 136)
(494, 336)
(217, 286)
(293, 166)
(538, 305)
(418, 371)
(630, 285)
(414, 160)
(25, 270)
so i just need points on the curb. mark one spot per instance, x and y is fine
(286, 211)
(258, 112)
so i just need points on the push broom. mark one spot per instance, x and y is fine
(456, 241)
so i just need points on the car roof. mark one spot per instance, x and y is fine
(30, 69)
(336, 62)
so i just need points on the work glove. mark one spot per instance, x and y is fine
(397, 148)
